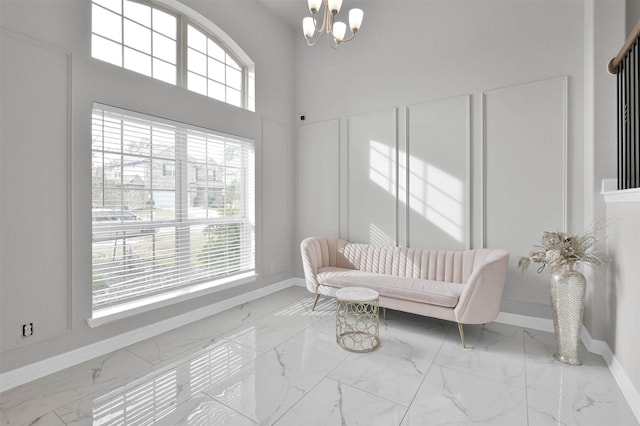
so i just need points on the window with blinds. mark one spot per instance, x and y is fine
(172, 206)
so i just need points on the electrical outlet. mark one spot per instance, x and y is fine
(272, 267)
(27, 330)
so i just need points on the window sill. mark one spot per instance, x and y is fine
(611, 195)
(126, 310)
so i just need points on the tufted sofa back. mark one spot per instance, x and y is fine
(438, 265)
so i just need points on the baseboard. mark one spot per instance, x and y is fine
(631, 394)
(535, 323)
(300, 282)
(28, 373)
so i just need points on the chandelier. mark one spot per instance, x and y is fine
(335, 30)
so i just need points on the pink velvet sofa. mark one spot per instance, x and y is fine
(460, 286)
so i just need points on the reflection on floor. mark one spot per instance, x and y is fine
(274, 362)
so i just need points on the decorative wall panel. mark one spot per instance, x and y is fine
(318, 212)
(439, 174)
(525, 171)
(372, 177)
(276, 187)
(34, 223)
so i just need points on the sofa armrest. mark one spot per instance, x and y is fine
(480, 300)
(311, 261)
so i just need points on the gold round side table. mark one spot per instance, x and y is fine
(357, 319)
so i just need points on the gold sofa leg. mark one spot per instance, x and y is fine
(461, 330)
(315, 302)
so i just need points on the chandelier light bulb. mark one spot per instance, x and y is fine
(308, 27)
(314, 6)
(334, 6)
(339, 30)
(355, 19)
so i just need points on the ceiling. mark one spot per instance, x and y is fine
(289, 12)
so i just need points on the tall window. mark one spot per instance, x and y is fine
(143, 37)
(154, 231)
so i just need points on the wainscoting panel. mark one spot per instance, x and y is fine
(439, 174)
(276, 187)
(318, 210)
(525, 179)
(372, 177)
(36, 137)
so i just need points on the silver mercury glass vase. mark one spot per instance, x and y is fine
(567, 289)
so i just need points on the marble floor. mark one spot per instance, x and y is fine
(274, 362)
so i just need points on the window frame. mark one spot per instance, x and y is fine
(185, 17)
(244, 91)
(182, 221)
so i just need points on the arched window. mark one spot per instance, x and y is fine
(174, 44)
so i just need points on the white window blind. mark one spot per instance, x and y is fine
(154, 231)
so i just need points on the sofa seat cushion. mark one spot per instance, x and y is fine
(411, 289)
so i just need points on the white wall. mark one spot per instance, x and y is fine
(57, 184)
(604, 36)
(411, 53)
(622, 317)
(633, 14)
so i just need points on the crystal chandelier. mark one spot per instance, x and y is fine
(335, 30)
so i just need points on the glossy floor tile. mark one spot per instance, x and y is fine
(275, 362)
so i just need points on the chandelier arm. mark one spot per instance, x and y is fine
(330, 19)
(317, 37)
(333, 42)
(327, 21)
(324, 22)
(317, 31)
(353, 35)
